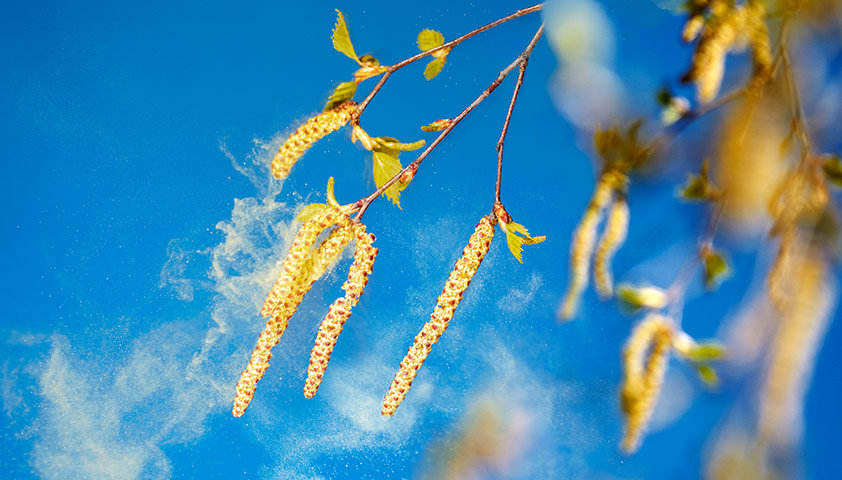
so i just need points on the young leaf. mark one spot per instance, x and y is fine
(342, 93)
(342, 39)
(437, 125)
(516, 234)
(433, 68)
(429, 39)
(386, 165)
(699, 187)
(394, 144)
(706, 352)
(632, 298)
(832, 167)
(715, 268)
(708, 375)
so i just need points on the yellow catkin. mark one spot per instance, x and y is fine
(643, 375)
(302, 139)
(693, 27)
(761, 48)
(295, 262)
(616, 226)
(340, 310)
(708, 65)
(778, 282)
(294, 282)
(582, 247)
(794, 348)
(457, 282)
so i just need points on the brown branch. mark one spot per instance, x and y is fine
(520, 73)
(393, 68)
(521, 59)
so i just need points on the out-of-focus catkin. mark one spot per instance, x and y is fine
(295, 280)
(643, 375)
(306, 135)
(457, 282)
(584, 241)
(340, 310)
(795, 345)
(728, 27)
(616, 227)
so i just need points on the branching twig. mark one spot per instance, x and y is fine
(521, 59)
(393, 68)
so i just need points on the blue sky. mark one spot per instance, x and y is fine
(142, 231)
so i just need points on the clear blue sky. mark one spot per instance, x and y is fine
(140, 227)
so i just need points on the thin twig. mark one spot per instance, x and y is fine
(365, 202)
(393, 68)
(500, 142)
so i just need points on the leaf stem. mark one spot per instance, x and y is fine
(521, 60)
(393, 68)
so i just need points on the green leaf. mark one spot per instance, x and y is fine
(699, 187)
(342, 39)
(429, 39)
(437, 125)
(632, 299)
(386, 165)
(715, 269)
(706, 352)
(832, 167)
(394, 144)
(696, 189)
(310, 211)
(516, 242)
(342, 93)
(708, 375)
(433, 68)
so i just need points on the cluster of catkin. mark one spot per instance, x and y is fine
(306, 135)
(457, 283)
(302, 266)
(644, 365)
(725, 26)
(610, 194)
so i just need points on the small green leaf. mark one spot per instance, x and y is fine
(342, 39)
(429, 39)
(394, 144)
(708, 375)
(342, 93)
(517, 236)
(706, 352)
(715, 269)
(386, 165)
(310, 211)
(437, 125)
(433, 68)
(832, 166)
(699, 187)
(696, 189)
(632, 299)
